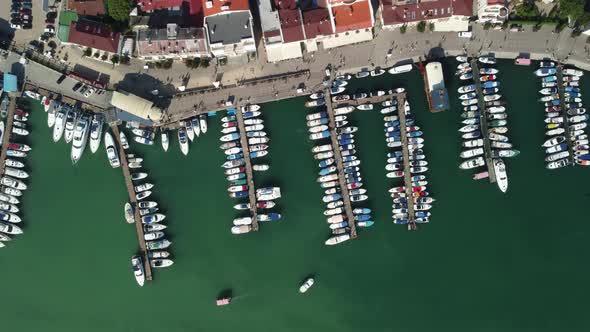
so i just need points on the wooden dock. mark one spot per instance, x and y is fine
(368, 100)
(339, 165)
(133, 201)
(7, 132)
(248, 166)
(483, 122)
(401, 110)
(566, 125)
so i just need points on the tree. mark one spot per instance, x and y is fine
(487, 26)
(527, 10)
(125, 59)
(403, 28)
(205, 63)
(104, 57)
(431, 26)
(119, 10)
(421, 27)
(115, 59)
(96, 55)
(87, 51)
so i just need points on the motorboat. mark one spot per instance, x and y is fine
(543, 72)
(183, 141)
(365, 107)
(10, 217)
(71, 120)
(307, 284)
(377, 72)
(224, 138)
(203, 119)
(10, 228)
(143, 195)
(400, 69)
(317, 95)
(488, 71)
(196, 126)
(555, 164)
(247, 115)
(343, 110)
(268, 217)
(487, 60)
(160, 263)
(316, 116)
(501, 176)
(95, 133)
(365, 73)
(143, 187)
(469, 95)
(60, 121)
(129, 213)
(337, 239)
(79, 139)
(12, 182)
(51, 114)
(573, 72)
(556, 148)
(472, 163)
(557, 156)
(9, 199)
(138, 269)
(9, 207)
(317, 102)
(467, 88)
(190, 132)
(242, 229)
(153, 218)
(158, 253)
(124, 142)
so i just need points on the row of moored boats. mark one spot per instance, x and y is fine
(417, 194)
(235, 166)
(12, 185)
(561, 147)
(329, 178)
(493, 113)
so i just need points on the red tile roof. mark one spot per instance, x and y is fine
(217, 5)
(317, 22)
(151, 5)
(425, 10)
(87, 7)
(497, 2)
(352, 17)
(94, 35)
(291, 25)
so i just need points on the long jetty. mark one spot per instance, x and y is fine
(401, 110)
(7, 132)
(483, 121)
(133, 201)
(339, 165)
(566, 125)
(249, 173)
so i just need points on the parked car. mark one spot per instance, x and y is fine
(50, 29)
(77, 86)
(27, 26)
(50, 21)
(89, 92)
(465, 34)
(25, 11)
(84, 89)
(16, 26)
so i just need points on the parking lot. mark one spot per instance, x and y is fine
(24, 36)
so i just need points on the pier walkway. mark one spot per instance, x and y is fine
(483, 121)
(339, 165)
(401, 110)
(7, 132)
(368, 100)
(566, 125)
(248, 166)
(133, 201)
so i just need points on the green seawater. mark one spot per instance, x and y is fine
(487, 261)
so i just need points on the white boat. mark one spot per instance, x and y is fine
(337, 239)
(242, 229)
(20, 131)
(138, 272)
(124, 142)
(165, 140)
(377, 72)
(306, 285)
(365, 107)
(71, 120)
(471, 153)
(95, 133)
(196, 126)
(250, 108)
(9, 207)
(343, 110)
(12, 182)
(243, 221)
(143, 195)
(317, 95)
(143, 187)
(260, 168)
(188, 126)
(50, 114)
(9, 199)
(79, 138)
(203, 119)
(143, 140)
(60, 122)
(183, 141)
(159, 263)
(573, 72)
(400, 69)
(151, 236)
(472, 163)
(10, 228)
(501, 176)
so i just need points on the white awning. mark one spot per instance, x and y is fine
(135, 105)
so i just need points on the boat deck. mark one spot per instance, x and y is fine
(248, 166)
(483, 122)
(401, 110)
(133, 201)
(339, 164)
(566, 126)
(7, 131)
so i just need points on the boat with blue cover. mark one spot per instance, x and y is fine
(400, 221)
(326, 162)
(248, 115)
(320, 135)
(268, 217)
(349, 170)
(549, 79)
(239, 194)
(327, 170)
(358, 211)
(545, 72)
(417, 133)
(490, 84)
(393, 134)
(362, 217)
(235, 156)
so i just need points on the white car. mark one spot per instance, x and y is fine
(16, 26)
(465, 34)
(89, 92)
(49, 29)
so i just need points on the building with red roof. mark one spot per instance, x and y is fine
(229, 30)
(87, 7)
(148, 6)
(171, 43)
(97, 36)
(447, 15)
(492, 11)
(290, 27)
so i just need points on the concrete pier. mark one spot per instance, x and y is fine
(566, 125)
(339, 165)
(7, 132)
(248, 166)
(133, 201)
(483, 121)
(401, 110)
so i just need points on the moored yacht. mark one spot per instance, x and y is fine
(80, 136)
(95, 133)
